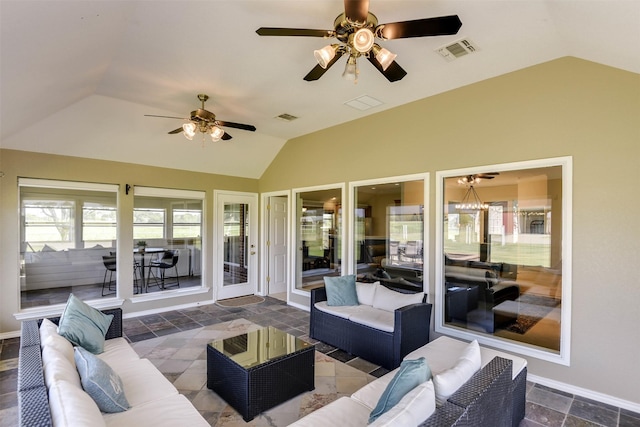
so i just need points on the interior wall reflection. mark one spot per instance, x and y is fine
(389, 234)
(318, 236)
(503, 256)
(66, 228)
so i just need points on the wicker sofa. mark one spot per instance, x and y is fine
(49, 395)
(378, 336)
(494, 396)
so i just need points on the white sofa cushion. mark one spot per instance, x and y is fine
(413, 409)
(344, 412)
(171, 411)
(366, 292)
(118, 351)
(379, 319)
(57, 367)
(143, 382)
(71, 407)
(386, 299)
(447, 382)
(442, 353)
(49, 338)
(343, 311)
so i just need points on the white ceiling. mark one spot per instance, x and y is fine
(77, 77)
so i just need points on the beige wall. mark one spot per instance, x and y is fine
(16, 164)
(567, 107)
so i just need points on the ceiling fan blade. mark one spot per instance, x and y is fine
(175, 131)
(393, 73)
(304, 32)
(356, 10)
(236, 125)
(226, 137)
(166, 117)
(440, 26)
(318, 71)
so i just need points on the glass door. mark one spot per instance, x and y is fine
(236, 221)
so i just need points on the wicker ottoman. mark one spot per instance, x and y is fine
(258, 370)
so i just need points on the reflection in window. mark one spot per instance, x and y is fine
(235, 226)
(169, 222)
(389, 233)
(318, 236)
(503, 257)
(66, 228)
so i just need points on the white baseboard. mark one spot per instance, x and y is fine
(589, 394)
(300, 306)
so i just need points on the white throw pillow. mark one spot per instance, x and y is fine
(446, 383)
(386, 299)
(366, 291)
(413, 409)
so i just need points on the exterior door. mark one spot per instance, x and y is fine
(236, 241)
(277, 245)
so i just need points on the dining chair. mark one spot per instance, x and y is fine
(109, 262)
(168, 261)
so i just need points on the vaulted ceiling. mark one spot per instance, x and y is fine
(78, 77)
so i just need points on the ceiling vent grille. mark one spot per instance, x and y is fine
(457, 49)
(286, 117)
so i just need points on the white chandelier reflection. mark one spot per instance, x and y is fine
(471, 201)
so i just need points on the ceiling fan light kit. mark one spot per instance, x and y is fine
(356, 30)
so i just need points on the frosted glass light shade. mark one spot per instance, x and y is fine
(325, 55)
(363, 40)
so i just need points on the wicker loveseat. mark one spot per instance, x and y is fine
(494, 396)
(384, 345)
(49, 395)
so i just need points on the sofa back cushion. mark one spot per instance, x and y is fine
(386, 299)
(71, 407)
(446, 383)
(366, 292)
(341, 290)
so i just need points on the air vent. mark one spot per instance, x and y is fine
(286, 117)
(457, 49)
(363, 103)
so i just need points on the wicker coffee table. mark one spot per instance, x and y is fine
(258, 370)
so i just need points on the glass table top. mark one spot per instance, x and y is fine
(258, 347)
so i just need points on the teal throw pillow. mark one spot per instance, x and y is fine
(341, 290)
(100, 382)
(411, 374)
(83, 325)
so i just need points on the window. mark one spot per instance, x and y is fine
(389, 234)
(318, 236)
(168, 221)
(66, 228)
(504, 259)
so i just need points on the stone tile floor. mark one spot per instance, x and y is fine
(545, 406)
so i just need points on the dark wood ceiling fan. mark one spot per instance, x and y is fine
(356, 30)
(205, 122)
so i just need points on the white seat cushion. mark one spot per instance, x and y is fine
(171, 411)
(344, 412)
(379, 319)
(343, 311)
(413, 409)
(442, 353)
(143, 382)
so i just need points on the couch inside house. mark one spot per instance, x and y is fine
(446, 382)
(474, 288)
(77, 370)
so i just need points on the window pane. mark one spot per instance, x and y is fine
(503, 254)
(64, 234)
(318, 235)
(389, 233)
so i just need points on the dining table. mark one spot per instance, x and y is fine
(142, 253)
